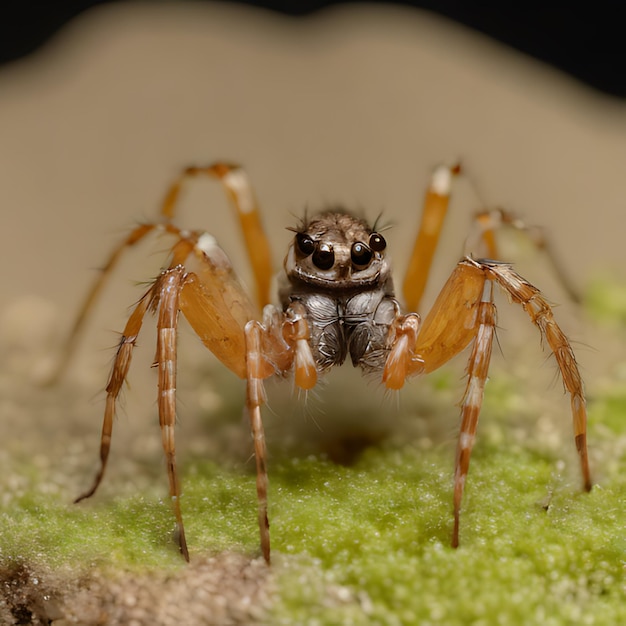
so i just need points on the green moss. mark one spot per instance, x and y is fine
(609, 411)
(41, 528)
(606, 301)
(369, 544)
(373, 545)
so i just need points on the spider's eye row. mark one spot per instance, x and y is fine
(305, 243)
(360, 255)
(324, 256)
(377, 242)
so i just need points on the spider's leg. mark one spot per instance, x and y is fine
(220, 313)
(241, 195)
(464, 312)
(135, 236)
(218, 310)
(116, 380)
(483, 234)
(169, 286)
(257, 370)
(477, 371)
(540, 312)
(433, 215)
(421, 348)
(273, 347)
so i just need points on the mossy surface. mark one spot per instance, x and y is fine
(369, 543)
(534, 550)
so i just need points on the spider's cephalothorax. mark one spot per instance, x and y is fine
(337, 300)
(338, 269)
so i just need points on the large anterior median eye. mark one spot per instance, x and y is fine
(361, 255)
(305, 244)
(324, 257)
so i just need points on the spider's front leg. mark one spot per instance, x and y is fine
(464, 312)
(163, 296)
(276, 346)
(200, 283)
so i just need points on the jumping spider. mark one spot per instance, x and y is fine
(337, 301)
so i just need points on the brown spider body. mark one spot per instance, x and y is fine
(336, 268)
(337, 301)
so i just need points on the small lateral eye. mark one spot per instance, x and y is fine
(361, 255)
(377, 242)
(324, 256)
(305, 244)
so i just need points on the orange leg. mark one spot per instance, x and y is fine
(134, 237)
(164, 295)
(540, 313)
(487, 223)
(274, 346)
(433, 214)
(217, 308)
(241, 196)
(255, 398)
(239, 192)
(116, 380)
(464, 313)
(477, 371)
(169, 286)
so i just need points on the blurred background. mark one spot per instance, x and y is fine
(101, 106)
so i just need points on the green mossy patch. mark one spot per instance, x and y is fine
(534, 550)
(369, 543)
(605, 299)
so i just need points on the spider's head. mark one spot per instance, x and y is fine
(337, 251)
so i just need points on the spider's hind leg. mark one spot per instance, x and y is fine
(482, 241)
(540, 312)
(241, 196)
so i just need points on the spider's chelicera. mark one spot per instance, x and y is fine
(337, 301)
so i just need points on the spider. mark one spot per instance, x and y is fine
(337, 301)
